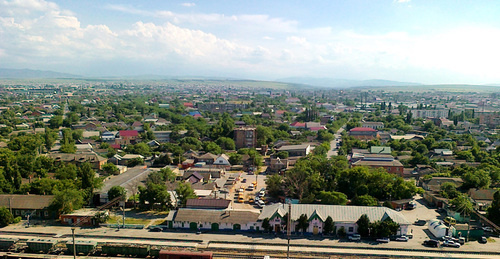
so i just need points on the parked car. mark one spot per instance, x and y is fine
(431, 243)
(262, 193)
(156, 229)
(461, 240)
(451, 244)
(244, 180)
(261, 203)
(488, 229)
(251, 200)
(420, 222)
(483, 240)
(402, 239)
(383, 240)
(354, 237)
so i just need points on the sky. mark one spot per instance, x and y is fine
(424, 41)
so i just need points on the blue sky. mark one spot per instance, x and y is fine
(406, 40)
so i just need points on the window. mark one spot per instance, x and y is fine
(46, 213)
(351, 229)
(17, 212)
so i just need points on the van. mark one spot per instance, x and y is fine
(450, 220)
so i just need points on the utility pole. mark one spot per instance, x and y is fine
(74, 245)
(123, 213)
(288, 229)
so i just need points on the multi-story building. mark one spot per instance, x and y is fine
(438, 113)
(372, 124)
(364, 133)
(245, 137)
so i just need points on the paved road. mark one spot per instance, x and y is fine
(333, 144)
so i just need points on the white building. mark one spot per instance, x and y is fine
(342, 216)
(211, 219)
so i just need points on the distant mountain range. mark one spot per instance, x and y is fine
(342, 83)
(7, 73)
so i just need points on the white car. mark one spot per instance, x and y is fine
(261, 203)
(383, 240)
(402, 239)
(355, 237)
(451, 243)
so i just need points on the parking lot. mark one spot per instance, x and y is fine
(420, 233)
(244, 180)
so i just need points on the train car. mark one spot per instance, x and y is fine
(165, 254)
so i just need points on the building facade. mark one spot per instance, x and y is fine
(245, 137)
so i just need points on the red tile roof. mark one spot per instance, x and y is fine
(129, 133)
(207, 203)
(362, 129)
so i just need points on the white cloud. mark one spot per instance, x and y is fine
(188, 4)
(40, 34)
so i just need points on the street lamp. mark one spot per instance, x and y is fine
(74, 245)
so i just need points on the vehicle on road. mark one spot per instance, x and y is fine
(354, 237)
(244, 180)
(156, 229)
(251, 200)
(250, 187)
(383, 240)
(451, 243)
(262, 193)
(402, 239)
(431, 243)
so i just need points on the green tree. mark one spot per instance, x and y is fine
(341, 232)
(184, 192)
(365, 200)
(5, 217)
(110, 169)
(55, 122)
(135, 161)
(332, 198)
(494, 209)
(384, 228)
(282, 154)
(266, 225)
(162, 160)
(235, 159)
(167, 174)
(117, 191)
(274, 185)
(212, 147)
(449, 190)
(154, 195)
(67, 201)
(329, 225)
(49, 139)
(363, 225)
(226, 143)
(462, 205)
(303, 223)
(476, 179)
